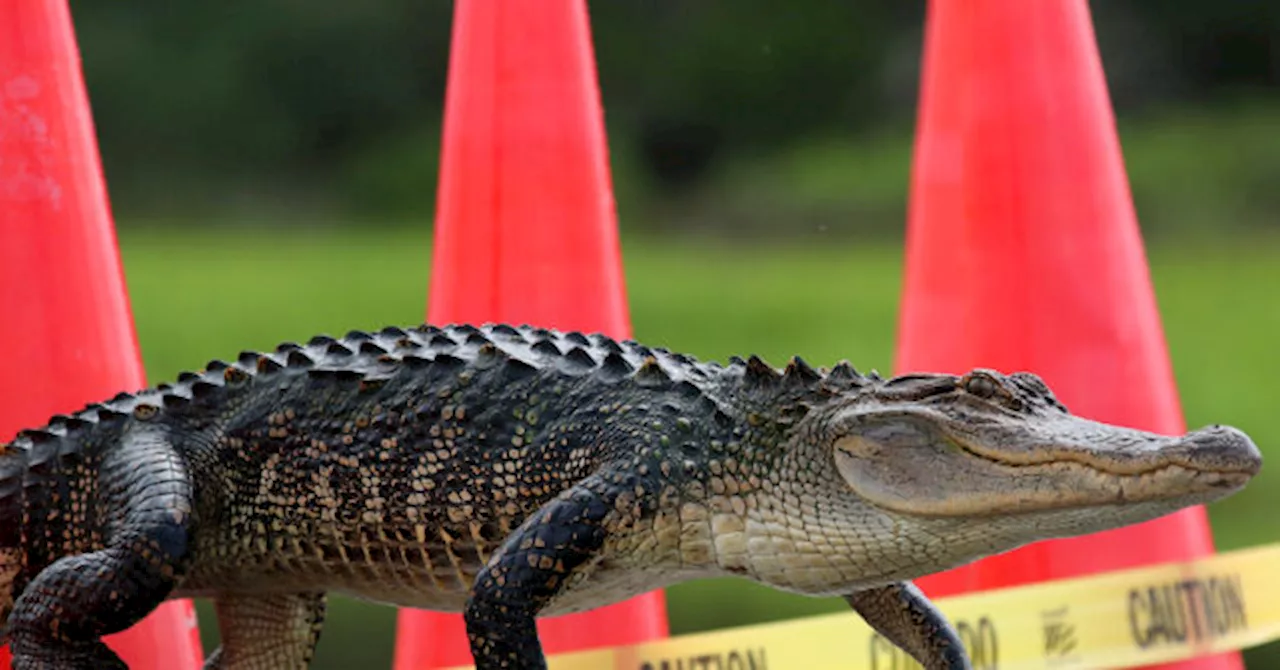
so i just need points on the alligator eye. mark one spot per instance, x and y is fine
(981, 386)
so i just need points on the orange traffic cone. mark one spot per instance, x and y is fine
(1023, 253)
(526, 233)
(69, 338)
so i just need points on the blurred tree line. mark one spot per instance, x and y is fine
(337, 105)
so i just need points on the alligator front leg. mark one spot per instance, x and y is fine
(272, 632)
(901, 613)
(533, 565)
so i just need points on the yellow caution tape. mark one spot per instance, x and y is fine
(1120, 619)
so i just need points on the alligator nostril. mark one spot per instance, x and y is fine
(1221, 448)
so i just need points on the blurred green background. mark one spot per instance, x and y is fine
(272, 168)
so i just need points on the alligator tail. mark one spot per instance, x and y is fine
(13, 467)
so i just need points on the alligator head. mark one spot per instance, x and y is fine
(934, 452)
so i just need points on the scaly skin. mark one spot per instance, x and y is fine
(510, 473)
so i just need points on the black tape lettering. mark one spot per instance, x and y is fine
(1175, 611)
(1223, 605)
(886, 655)
(1165, 621)
(734, 659)
(1139, 619)
(980, 640)
(1192, 598)
(1230, 598)
(1187, 610)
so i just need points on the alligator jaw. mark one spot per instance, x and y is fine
(921, 463)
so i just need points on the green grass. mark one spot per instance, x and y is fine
(198, 295)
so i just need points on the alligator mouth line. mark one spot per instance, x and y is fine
(1149, 487)
(1072, 459)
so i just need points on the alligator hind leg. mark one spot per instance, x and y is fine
(270, 632)
(62, 614)
(901, 613)
(59, 620)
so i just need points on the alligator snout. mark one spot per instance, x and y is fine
(1217, 448)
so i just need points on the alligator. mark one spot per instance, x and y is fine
(514, 472)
